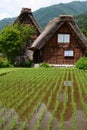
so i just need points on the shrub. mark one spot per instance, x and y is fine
(85, 53)
(45, 65)
(4, 62)
(28, 63)
(82, 63)
(24, 63)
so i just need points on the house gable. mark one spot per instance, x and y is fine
(53, 52)
(65, 29)
(26, 17)
(64, 43)
(55, 25)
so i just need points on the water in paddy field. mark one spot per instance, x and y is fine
(10, 115)
(69, 83)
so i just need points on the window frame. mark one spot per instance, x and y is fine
(61, 38)
(68, 53)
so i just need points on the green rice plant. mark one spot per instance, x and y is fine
(13, 124)
(39, 102)
(26, 89)
(73, 103)
(61, 124)
(56, 102)
(57, 78)
(38, 124)
(83, 81)
(84, 104)
(2, 121)
(35, 108)
(49, 99)
(23, 126)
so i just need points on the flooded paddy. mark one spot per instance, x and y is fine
(52, 99)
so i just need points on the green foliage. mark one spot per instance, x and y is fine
(85, 53)
(45, 65)
(13, 39)
(4, 62)
(28, 63)
(84, 32)
(25, 63)
(10, 42)
(82, 63)
(81, 20)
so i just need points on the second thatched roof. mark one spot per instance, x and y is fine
(26, 12)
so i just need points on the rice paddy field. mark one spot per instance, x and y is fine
(43, 99)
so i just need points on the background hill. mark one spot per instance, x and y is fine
(75, 8)
(81, 20)
(6, 22)
(43, 15)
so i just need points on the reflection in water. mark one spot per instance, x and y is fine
(11, 114)
(9, 117)
(69, 83)
(81, 123)
(61, 97)
(80, 116)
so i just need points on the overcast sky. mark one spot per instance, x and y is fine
(12, 8)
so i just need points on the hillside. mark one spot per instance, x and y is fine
(43, 15)
(81, 20)
(6, 22)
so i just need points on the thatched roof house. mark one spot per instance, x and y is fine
(26, 17)
(61, 42)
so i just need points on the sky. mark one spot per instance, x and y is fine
(12, 8)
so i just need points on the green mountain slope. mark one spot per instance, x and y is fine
(81, 20)
(6, 22)
(44, 15)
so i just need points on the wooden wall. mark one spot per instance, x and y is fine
(53, 52)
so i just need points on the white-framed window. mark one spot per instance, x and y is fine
(63, 38)
(68, 53)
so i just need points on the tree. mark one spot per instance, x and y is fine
(84, 31)
(13, 39)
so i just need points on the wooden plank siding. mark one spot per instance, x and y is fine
(53, 52)
(68, 49)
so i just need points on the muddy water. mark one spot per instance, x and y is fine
(81, 123)
(61, 97)
(68, 124)
(9, 114)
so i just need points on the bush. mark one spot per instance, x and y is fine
(82, 63)
(23, 63)
(45, 65)
(85, 53)
(28, 63)
(4, 62)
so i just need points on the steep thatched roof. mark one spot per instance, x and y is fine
(53, 26)
(26, 12)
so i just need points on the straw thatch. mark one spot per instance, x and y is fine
(27, 13)
(54, 26)
(26, 17)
